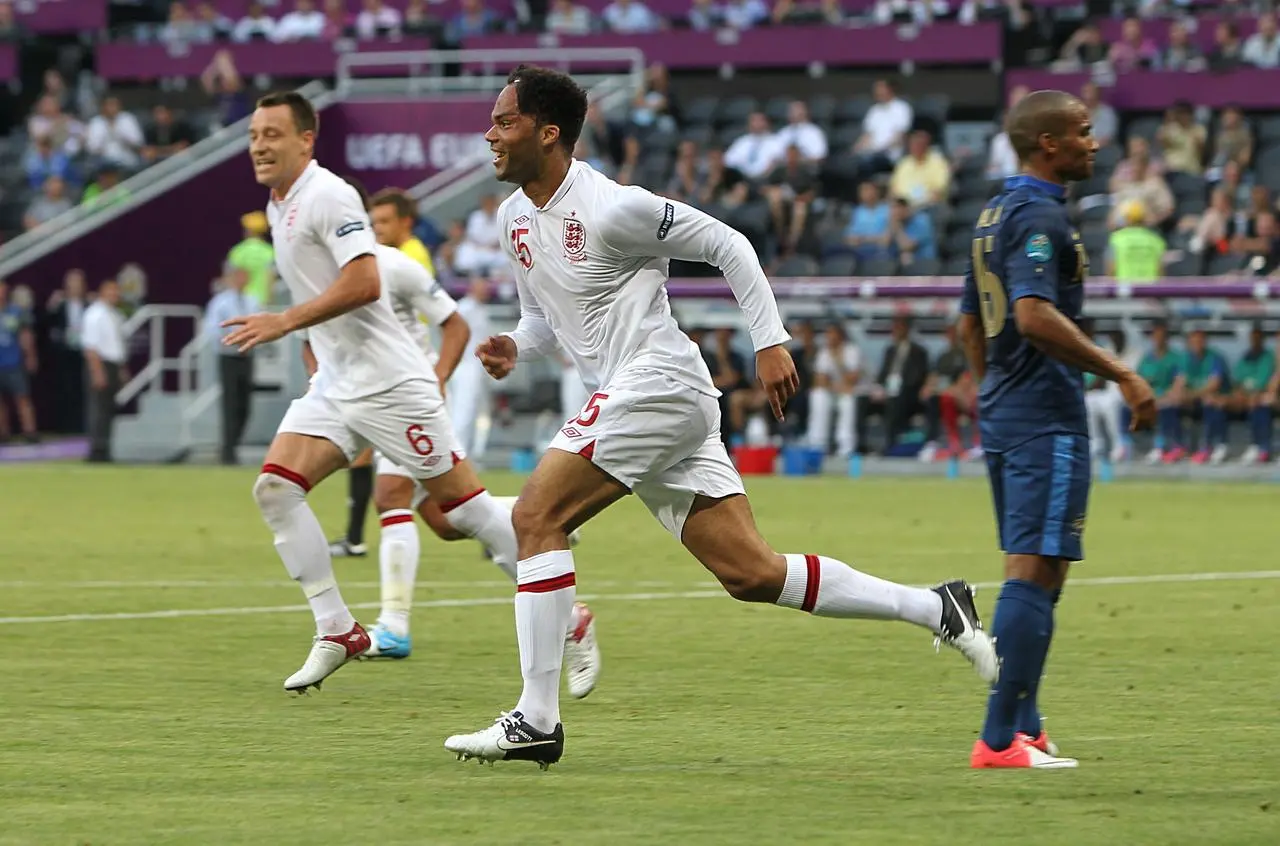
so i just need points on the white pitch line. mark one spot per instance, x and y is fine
(172, 613)
(165, 584)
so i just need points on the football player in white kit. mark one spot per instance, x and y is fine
(591, 259)
(374, 386)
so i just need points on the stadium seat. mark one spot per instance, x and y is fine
(1220, 265)
(1095, 213)
(845, 136)
(1096, 184)
(661, 141)
(776, 109)
(1095, 237)
(1144, 127)
(702, 134)
(1190, 205)
(878, 267)
(797, 265)
(959, 239)
(970, 185)
(822, 109)
(957, 265)
(729, 134)
(940, 214)
(702, 110)
(852, 109)
(1107, 159)
(922, 267)
(1185, 184)
(831, 242)
(1267, 130)
(1189, 264)
(736, 110)
(968, 211)
(838, 265)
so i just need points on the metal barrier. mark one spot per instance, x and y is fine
(154, 319)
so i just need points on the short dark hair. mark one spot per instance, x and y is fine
(1039, 113)
(402, 202)
(304, 114)
(551, 98)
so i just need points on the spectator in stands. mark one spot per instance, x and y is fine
(656, 106)
(754, 154)
(1237, 182)
(472, 21)
(417, 19)
(803, 134)
(1204, 396)
(728, 373)
(235, 369)
(43, 161)
(479, 254)
(1134, 50)
(919, 12)
(107, 178)
(1228, 49)
(911, 237)
(378, 20)
(950, 392)
(256, 25)
(568, 18)
(790, 189)
(884, 128)
(182, 28)
(922, 177)
(705, 15)
(1102, 117)
(868, 230)
(1182, 140)
(1104, 407)
(1135, 253)
(394, 217)
(115, 135)
(687, 173)
(256, 257)
(64, 319)
(50, 121)
(221, 81)
(213, 24)
(1252, 396)
(1002, 161)
(1262, 49)
(337, 23)
(1234, 141)
(53, 85)
(1180, 54)
(17, 363)
(1138, 178)
(837, 370)
(11, 31)
(630, 16)
(804, 352)
(51, 202)
(807, 11)
(165, 136)
(1261, 251)
(744, 14)
(446, 254)
(106, 364)
(895, 396)
(1161, 366)
(1209, 231)
(605, 136)
(717, 180)
(304, 23)
(1084, 48)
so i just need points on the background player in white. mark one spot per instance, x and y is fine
(591, 258)
(470, 391)
(374, 386)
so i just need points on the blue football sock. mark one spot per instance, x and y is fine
(1028, 720)
(1022, 628)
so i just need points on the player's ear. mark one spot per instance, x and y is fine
(550, 134)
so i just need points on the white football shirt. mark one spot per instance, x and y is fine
(414, 295)
(317, 229)
(591, 268)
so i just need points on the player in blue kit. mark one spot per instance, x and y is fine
(1022, 300)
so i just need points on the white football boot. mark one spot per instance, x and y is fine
(328, 653)
(582, 652)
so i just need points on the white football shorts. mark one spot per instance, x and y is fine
(407, 424)
(659, 438)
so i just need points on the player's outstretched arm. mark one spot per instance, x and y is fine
(357, 285)
(533, 335)
(643, 224)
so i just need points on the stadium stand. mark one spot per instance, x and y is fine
(853, 143)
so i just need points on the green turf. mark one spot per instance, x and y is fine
(714, 723)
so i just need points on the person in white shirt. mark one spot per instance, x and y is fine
(591, 261)
(836, 371)
(470, 395)
(479, 253)
(754, 154)
(1262, 49)
(630, 16)
(377, 18)
(803, 134)
(373, 386)
(885, 127)
(115, 135)
(304, 23)
(744, 14)
(568, 18)
(106, 364)
(255, 25)
(235, 369)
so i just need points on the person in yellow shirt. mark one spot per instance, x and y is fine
(395, 213)
(1134, 252)
(922, 177)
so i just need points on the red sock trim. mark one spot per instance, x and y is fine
(446, 507)
(814, 577)
(393, 519)
(568, 580)
(288, 475)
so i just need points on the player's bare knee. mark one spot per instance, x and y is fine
(758, 578)
(532, 519)
(391, 493)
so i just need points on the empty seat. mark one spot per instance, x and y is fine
(838, 265)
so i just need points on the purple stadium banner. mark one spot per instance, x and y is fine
(912, 287)
(1154, 91)
(8, 62)
(62, 16)
(1157, 29)
(399, 144)
(939, 44)
(119, 62)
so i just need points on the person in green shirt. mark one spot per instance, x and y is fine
(1252, 395)
(1207, 389)
(108, 177)
(1134, 252)
(1161, 366)
(255, 257)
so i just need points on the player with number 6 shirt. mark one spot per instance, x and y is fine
(590, 259)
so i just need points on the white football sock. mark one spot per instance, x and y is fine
(830, 588)
(544, 608)
(281, 495)
(506, 563)
(398, 563)
(479, 516)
